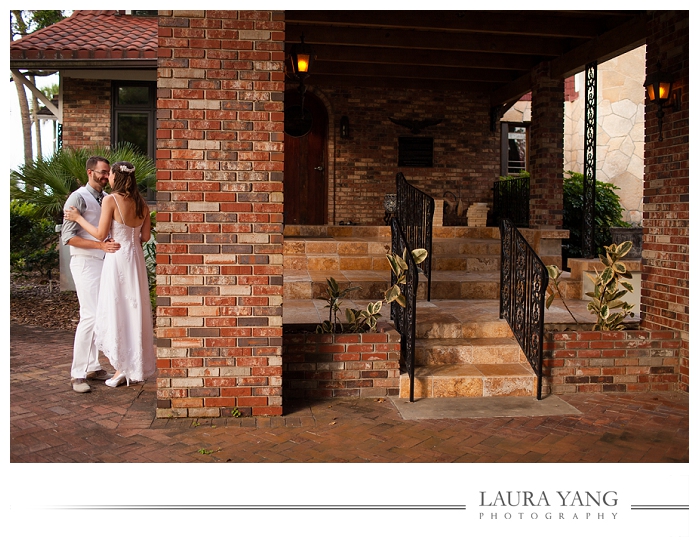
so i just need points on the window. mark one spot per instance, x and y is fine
(515, 149)
(133, 112)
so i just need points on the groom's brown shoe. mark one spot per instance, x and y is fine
(99, 375)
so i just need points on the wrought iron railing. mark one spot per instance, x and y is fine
(523, 282)
(415, 211)
(511, 201)
(404, 317)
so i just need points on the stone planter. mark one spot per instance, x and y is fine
(634, 234)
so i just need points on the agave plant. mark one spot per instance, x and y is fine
(47, 182)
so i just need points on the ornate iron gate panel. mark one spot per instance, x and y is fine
(523, 283)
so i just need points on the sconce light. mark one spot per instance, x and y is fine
(344, 127)
(301, 62)
(659, 88)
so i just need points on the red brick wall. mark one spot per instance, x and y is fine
(546, 151)
(220, 167)
(362, 365)
(611, 361)
(466, 153)
(86, 113)
(665, 289)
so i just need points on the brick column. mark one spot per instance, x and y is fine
(546, 151)
(665, 275)
(220, 167)
(86, 113)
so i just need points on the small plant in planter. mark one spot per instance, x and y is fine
(609, 286)
(608, 292)
(360, 321)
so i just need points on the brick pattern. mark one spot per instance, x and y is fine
(611, 361)
(320, 366)
(665, 292)
(86, 113)
(220, 169)
(466, 152)
(546, 150)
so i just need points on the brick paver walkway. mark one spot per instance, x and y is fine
(51, 423)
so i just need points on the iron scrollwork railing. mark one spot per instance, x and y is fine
(523, 283)
(404, 317)
(511, 201)
(415, 211)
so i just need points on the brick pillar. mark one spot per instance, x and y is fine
(665, 275)
(220, 166)
(546, 151)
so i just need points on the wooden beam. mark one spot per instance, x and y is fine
(397, 83)
(553, 24)
(421, 57)
(426, 40)
(626, 37)
(413, 73)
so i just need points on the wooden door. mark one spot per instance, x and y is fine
(305, 162)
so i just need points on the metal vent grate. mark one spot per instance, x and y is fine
(415, 151)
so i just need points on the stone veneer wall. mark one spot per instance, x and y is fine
(620, 128)
(86, 113)
(319, 366)
(466, 151)
(665, 289)
(611, 361)
(220, 171)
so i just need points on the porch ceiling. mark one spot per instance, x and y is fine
(489, 51)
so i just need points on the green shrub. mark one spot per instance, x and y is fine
(33, 242)
(608, 213)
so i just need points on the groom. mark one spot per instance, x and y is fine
(86, 258)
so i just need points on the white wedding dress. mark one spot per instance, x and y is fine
(124, 326)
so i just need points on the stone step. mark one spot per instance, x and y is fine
(477, 350)
(312, 284)
(470, 381)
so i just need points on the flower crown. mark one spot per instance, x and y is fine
(125, 169)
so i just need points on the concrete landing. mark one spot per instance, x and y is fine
(480, 408)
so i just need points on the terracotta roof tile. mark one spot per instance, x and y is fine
(86, 32)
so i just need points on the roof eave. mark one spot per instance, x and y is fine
(59, 64)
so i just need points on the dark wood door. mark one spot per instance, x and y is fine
(305, 163)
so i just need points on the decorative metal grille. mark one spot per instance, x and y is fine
(404, 317)
(523, 282)
(511, 201)
(415, 211)
(590, 166)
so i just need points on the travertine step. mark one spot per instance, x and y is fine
(470, 381)
(482, 351)
(312, 284)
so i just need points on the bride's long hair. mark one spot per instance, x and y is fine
(125, 184)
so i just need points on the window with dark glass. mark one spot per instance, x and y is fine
(134, 113)
(134, 116)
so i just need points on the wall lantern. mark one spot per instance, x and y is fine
(659, 88)
(301, 56)
(344, 127)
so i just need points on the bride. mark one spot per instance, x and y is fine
(124, 327)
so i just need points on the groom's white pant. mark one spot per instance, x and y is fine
(86, 271)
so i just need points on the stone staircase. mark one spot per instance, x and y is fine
(463, 349)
